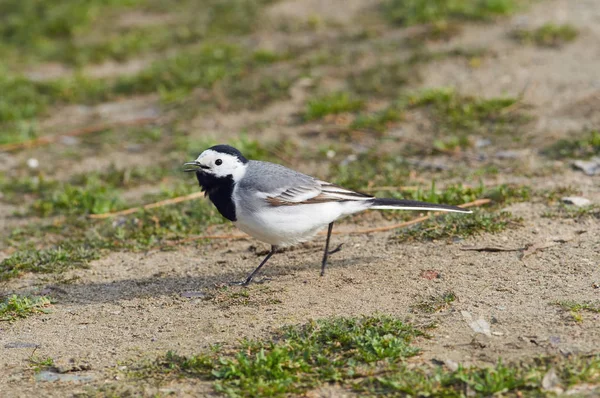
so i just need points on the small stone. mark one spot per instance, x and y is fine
(20, 344)
(451, 365)
(576, 201)
(33, 163)
(69, 140)
(589, 167)
(483, 142)
(551, 382)
(480, 325)
(508, 154)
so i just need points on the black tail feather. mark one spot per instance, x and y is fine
(416, 205)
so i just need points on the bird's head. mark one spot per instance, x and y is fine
(220, 162)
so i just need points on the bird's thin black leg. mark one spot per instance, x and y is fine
(326, 252)
(253, 273)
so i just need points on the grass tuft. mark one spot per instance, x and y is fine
(547, 35)
(365, 356)
(302, 357)
(586, 146)
(576, 308)
(15, 307)
(329, 104)
(436, 303)
(461, 116)
(59, 258)
(385, 80)
(411, 12)
(452, 226)
(377, 122)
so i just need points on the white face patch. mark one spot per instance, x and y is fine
(221, 164)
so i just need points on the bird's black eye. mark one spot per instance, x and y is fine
(218, 162)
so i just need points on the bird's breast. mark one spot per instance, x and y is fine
(219, 190)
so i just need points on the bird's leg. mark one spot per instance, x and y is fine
(327, 252)
(253, 273)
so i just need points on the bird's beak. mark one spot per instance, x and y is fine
(191, 167)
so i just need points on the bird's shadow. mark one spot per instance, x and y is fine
(157, 286)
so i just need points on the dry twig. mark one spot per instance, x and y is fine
(161, 203)
(48, 139)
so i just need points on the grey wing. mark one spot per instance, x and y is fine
(281, 186)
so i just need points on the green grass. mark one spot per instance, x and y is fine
(515, 379)
(411, 12)
(573, 212)
(584, 145)
(79, 33)
(174, 78)
(459, 116)
(15, 307)
(339, 102)
(547, 35)
(385, 80)
(90, 195)
(377, 122)
(434, 303)
(576, 309)
(51, 260)
(453, 226)
(367, 356)
(44, 28)
(38, 364)
(75, 241)
(92, 192)
(302, 357)
(455, 117)
(257, 91)
(371, 168)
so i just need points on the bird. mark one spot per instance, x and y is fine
(280, 206)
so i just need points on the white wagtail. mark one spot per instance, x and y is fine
(280, 206)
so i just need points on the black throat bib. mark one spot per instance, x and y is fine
(219, 190)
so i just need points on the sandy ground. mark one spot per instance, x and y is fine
(130, 306)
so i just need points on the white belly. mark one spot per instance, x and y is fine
(289, 225)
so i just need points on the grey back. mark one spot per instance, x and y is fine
(270, 177)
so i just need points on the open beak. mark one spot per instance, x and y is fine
(191, 167)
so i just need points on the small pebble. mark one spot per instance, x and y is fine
(576, 201)
(33, 163)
